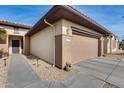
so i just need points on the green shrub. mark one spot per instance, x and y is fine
(121, 45)
(2, 34)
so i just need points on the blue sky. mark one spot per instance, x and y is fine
(108, 16)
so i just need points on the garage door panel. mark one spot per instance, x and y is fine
(83, 48)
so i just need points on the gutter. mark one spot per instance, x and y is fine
(73, 11)
(54, 30)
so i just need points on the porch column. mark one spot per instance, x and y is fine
(101, 46)
(63, 46)
(105, 45)
(7, 42)
(62, 50)
(111, 43)
(26, 45)
(117, 44)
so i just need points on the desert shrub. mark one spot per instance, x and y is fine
(121, 45)
(2, 34)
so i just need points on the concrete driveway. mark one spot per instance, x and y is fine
(106, 69)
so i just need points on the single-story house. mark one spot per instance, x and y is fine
(64, 35)
(13, 43)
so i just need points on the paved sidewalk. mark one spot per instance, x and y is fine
(20, 73)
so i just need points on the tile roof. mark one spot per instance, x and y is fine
(8, 23)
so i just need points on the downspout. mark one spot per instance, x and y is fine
(54, 30)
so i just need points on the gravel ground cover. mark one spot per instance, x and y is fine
(3, 72)
(46, 72)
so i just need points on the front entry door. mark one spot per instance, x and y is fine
(15, 46)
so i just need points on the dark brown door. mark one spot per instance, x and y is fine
(15, 46)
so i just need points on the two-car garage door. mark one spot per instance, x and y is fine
(83, 48)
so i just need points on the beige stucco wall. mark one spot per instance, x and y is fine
(66, 29)
(107, 45)
(105, 42)
(10, 30)
(114, 44)
(11, 36)
(26, 45)
(110, 44)
(67, 38)
(4, 47)
(42, 44)
(101, 45)
(67, 26)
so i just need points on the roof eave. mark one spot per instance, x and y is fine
(73, 13)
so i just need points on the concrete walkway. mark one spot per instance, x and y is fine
(20, 73)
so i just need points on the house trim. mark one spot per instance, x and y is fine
(84, 33)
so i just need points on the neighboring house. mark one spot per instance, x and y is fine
(71, 38)
(111, 44)
(15, 37)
